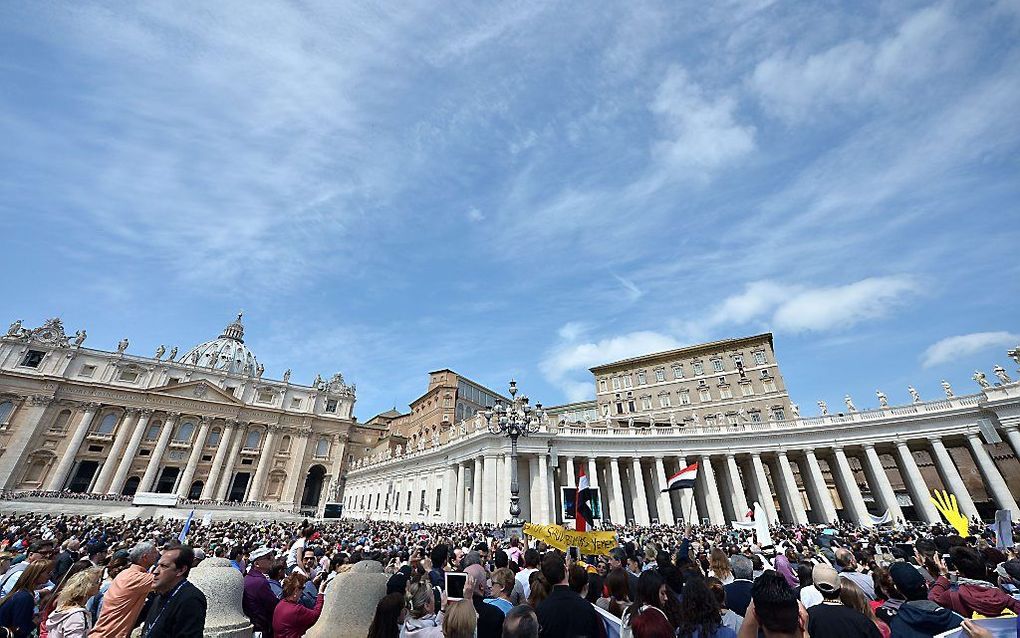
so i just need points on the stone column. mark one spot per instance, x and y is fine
(1013, 436)
(152, 469)
(67, 459)
(504, 499)
(882, 483)
(712, 502)
(198, 446)
(638, 490)
(993, 478)
(128, 458)
(853, 502)
(665, 508)
(739, 498)
(124, 431)
(617, 511)
(458, 515)
(797, 512)
(761, 488)
(952, 479)
(265, 464)
(571, 478)
(685, 499)
(296, 473)
(227, 475)
(339, 451)
(593, 478)
(827, 509)
(489, 490)
(209, 489)
(919, 494)
(476, 492)
(28, 423)
(543, 481)
(449, 498)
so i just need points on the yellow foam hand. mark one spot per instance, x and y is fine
(946, 504)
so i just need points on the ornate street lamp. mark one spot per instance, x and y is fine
(515, 419)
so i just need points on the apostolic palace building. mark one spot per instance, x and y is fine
(207, 426)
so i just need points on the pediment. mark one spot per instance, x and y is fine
(200, 389)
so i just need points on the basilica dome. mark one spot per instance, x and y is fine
(226, 352)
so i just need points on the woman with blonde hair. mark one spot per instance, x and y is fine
(69, 618)
(423, 620)
(460, 620)
(719, 566)
(851, 595)
(17, 609)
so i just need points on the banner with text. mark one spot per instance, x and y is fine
(597, 543)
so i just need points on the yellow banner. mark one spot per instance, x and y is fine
(597, 543)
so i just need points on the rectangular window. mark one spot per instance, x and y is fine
(746, 389)
(421, 506)
(717, 365)
(778, 414)
(731, 419)
(660, 375)
(710, 420)
(33, 358)
(769, 385)
(725, 393)
(619, 407)
(628, 382)
(678, 372)
(173, 381)
(87, 371)
(664, 401)
(699, 368)
(685, 397)
(295, 403)
(641, 379)
(756, 417)
(265, 397)
(408, 500)
(616, 383)
(377, 495)
(704, 394)
(396, 501)
(646, 403)
(605, 409)
(630, 405)
(439, 500)
(738, 360)
(331, 406)
(129, 376)
(602, 385)
(759, 358)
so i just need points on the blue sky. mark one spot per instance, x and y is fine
(521, 189)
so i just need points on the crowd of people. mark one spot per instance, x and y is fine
(61, 494)
(70, 576)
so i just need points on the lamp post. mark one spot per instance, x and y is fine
(514, 419)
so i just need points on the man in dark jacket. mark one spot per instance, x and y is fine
(490, 617)
(66, 558)
(738, 593)
(917, 616)
(259, 601)
(563, 613)
(178, 610)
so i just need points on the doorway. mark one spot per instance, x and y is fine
(238, 487)
(313, 486)
(82, 478)
(165, 485)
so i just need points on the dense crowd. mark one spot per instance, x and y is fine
(65, 494)
(69, 576)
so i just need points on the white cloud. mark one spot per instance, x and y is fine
(475, 215)
(633, 292)
(569, 362)
(701, 130)
(793, 84)
(960, 346)
(843, 306)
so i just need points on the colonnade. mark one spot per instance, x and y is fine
(812, 484)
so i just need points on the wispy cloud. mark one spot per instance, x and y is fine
(958, 347)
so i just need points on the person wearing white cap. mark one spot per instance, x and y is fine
(258, 601)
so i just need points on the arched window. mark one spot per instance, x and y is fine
(322, 447)
(153, 432)
(5, 411)
(60, 423)
(108, 423)
(185, 431)
(213, 439)
(285, 444)
(253, 439)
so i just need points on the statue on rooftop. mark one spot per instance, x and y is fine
(286, 375)
(15, 329)
(795, 410)
(883, 400)
(80, 336)
(914, 396)
(824, 407)
(173, 354)
(849, 403)
(1000, 372)
(948, 389)
(159, 352)
(122, 345)
(981, 379)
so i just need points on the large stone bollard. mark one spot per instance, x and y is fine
(350, 601)
(223, 587)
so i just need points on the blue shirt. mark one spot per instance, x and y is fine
(502, 603)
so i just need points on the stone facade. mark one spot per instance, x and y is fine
(205, 425)
(751, 445)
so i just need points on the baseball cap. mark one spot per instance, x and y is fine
(906, 577)
(260, 553)
(825, 578)
(1009, 569)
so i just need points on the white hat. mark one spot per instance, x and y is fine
(260, 553)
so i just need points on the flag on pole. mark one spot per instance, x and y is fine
(584, 516)
(682, 480)
(187, 526)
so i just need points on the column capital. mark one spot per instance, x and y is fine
(973, 436)
(41, 399)
(231, 423)
(131, 411)
(868, 446)
(90, 406)
(206, 419)
(146, 412)
(173, 416)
